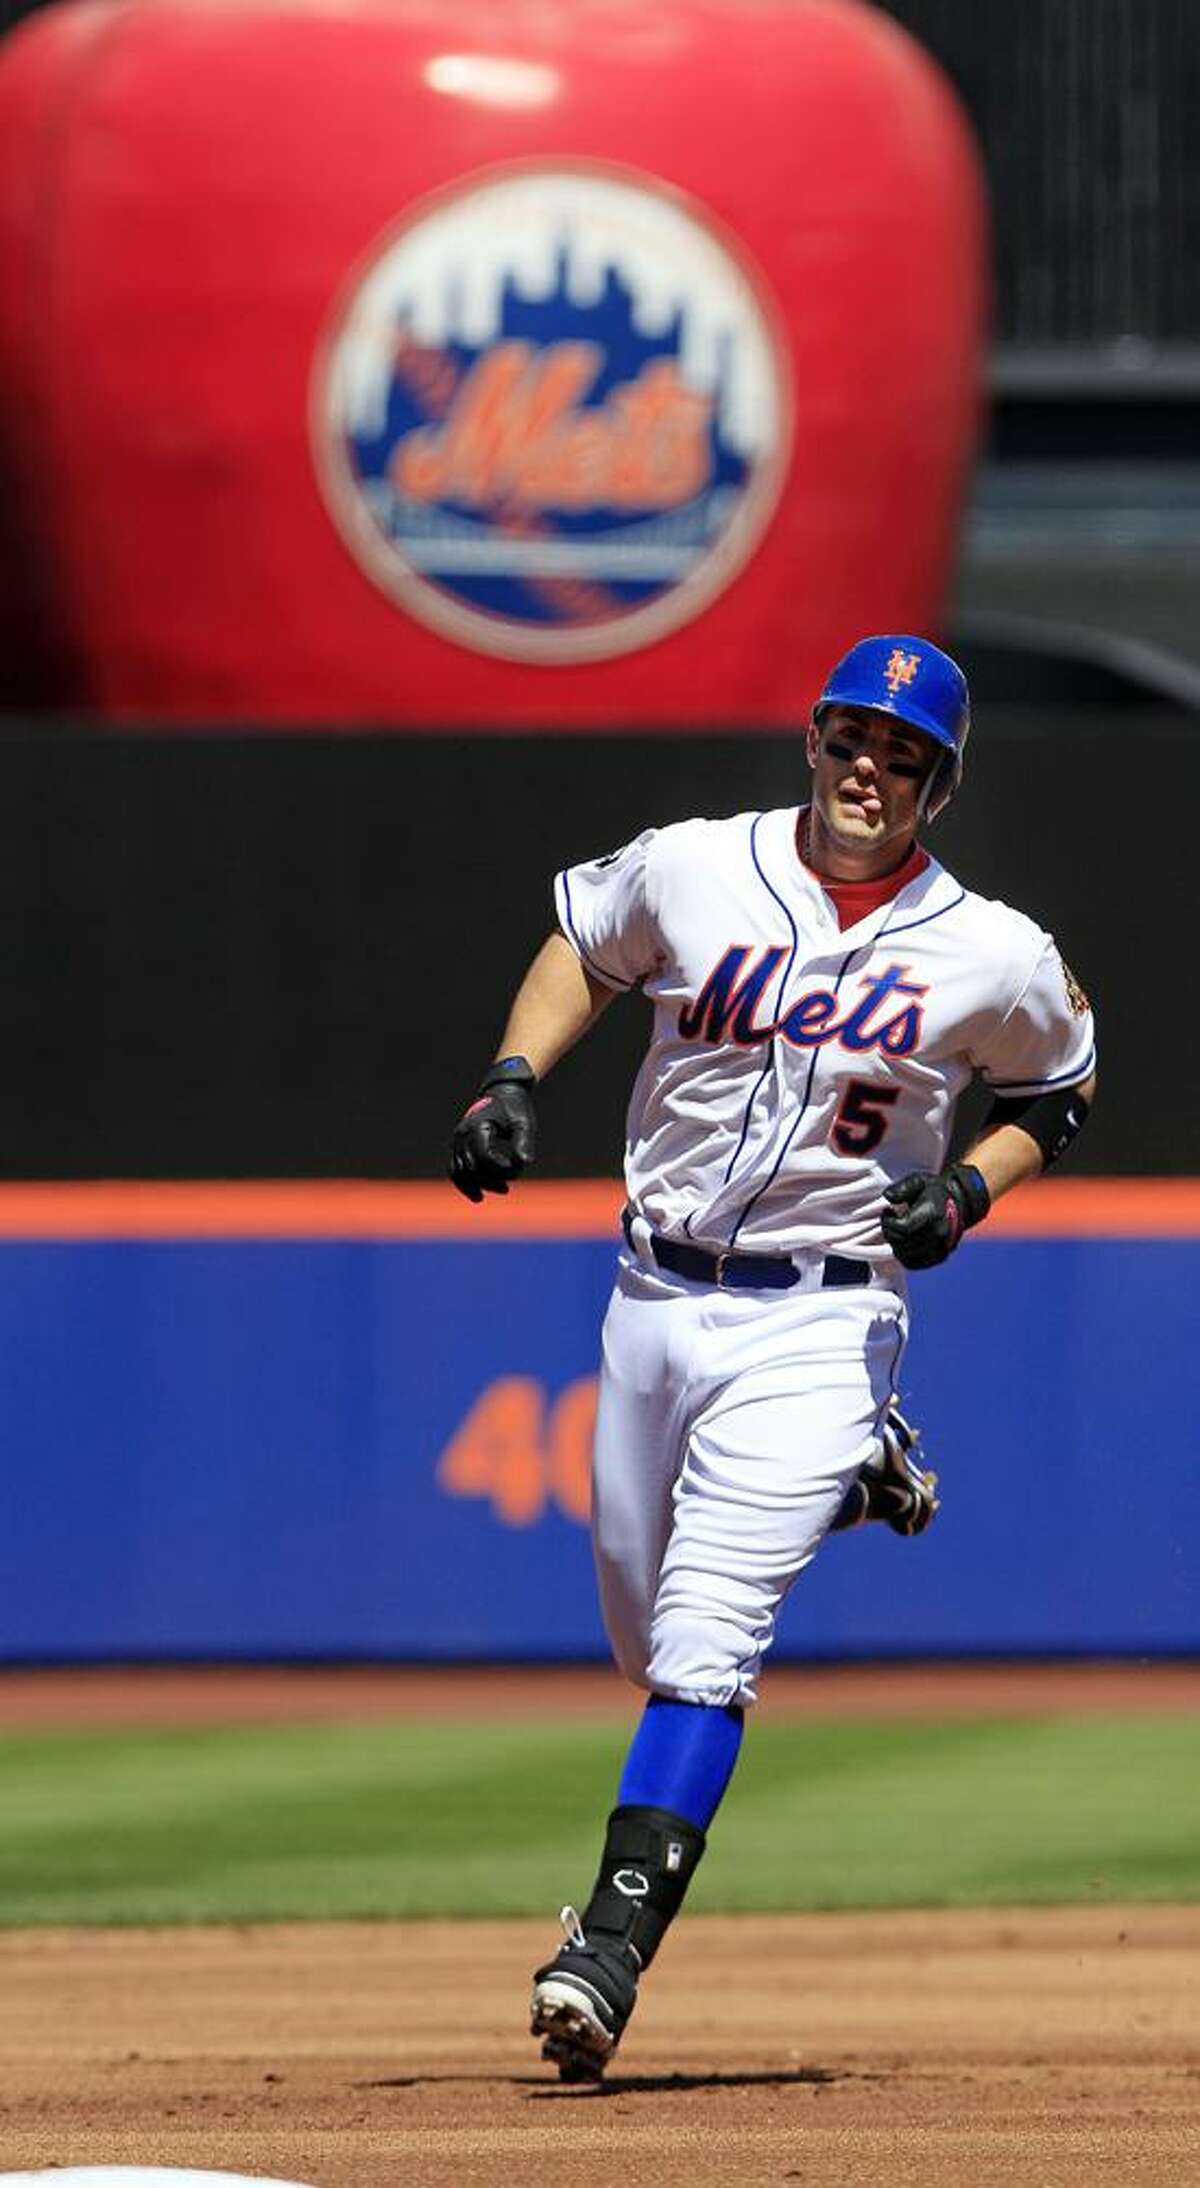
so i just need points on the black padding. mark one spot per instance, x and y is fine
(1053, 1119)
(647, 1864)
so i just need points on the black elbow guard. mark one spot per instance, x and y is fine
(1052, 1119)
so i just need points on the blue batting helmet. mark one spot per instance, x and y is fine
(919, 684)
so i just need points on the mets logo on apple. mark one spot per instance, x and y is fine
(551, 412)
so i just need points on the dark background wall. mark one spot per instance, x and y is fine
(1085, 111)
(291, 955)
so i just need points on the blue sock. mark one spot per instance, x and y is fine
(682, 1758)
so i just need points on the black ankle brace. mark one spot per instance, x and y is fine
(647, 1864)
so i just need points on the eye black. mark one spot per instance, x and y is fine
(910, 768)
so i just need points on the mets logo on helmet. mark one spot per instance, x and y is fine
(901, 669)
(551, 412)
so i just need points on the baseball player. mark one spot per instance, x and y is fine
(823, 991)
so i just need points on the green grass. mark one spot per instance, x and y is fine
(410, 1819)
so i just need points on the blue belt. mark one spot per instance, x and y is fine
(742, 1272)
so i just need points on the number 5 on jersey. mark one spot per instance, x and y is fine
(863, 1117)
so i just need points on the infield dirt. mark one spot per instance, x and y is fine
(1056, 2048)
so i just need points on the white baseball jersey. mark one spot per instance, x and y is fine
(796, 1068)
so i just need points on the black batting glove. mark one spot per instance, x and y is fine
(926, 1216)
(495, 1140)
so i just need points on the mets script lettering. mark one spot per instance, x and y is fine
(518, 429)
(727, 1009)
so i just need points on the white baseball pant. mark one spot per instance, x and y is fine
(730, 1425)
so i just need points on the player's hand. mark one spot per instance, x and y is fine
(495, 1140)
(926, 1216)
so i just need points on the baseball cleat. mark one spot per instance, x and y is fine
(581, 2002)
(893, 1486)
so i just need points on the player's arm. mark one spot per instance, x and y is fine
(925, 1216)
(1042, 1046)
(1019, 1138)
(607, 941)
(558, 999)
(555, 1004)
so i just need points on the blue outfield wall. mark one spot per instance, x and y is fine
(258, 1449)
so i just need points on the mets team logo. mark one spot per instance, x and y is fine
(551, 416)
(901, 669)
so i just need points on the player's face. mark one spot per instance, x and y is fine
(868, 774)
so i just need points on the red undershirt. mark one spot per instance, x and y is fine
(852, 900)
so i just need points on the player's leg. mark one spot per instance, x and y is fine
(642, 1421)
(682, 1756)
(716, 1569)
(676, 1772)
(769, 1460)
(782, 1410)
(786, 1413)
(895, 1486)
